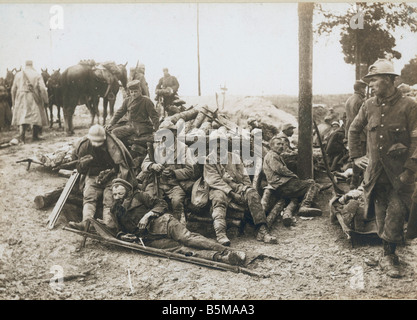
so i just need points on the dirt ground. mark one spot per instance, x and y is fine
(315, 259)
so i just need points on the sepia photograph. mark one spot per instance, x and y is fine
(226, 153)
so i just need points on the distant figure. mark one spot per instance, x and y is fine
(29, 97)
(335, 148)
(167, 88)
(139, 74)
(353, 105)
(286, 133)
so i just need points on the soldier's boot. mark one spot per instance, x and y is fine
(264, 235)
(305, 208)
(275, 212)
(389, 262)
(266, 199)
(288, 213)
(235, 258)
(22, 133)
(89, 209)
(35, 133)
(220, 226)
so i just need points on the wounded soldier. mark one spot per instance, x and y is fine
(142, 217)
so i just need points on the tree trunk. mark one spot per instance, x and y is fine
(305, 98)
(198, 51)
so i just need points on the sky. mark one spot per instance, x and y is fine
(251, 48)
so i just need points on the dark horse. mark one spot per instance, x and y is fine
(107, 80)
(77, 88)
(55, 96)
(8, 83)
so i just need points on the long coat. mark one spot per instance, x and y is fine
(353, 104)
(391, 140)
(27, 108)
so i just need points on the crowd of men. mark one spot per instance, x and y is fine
(378, 135)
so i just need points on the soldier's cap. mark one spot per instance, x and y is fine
(381, 67)
(122, 182)
(361, 82)
(276, 137)
(287, 126)
(29, 63)
(134, 84)
(165, 69)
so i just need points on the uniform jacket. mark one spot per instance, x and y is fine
(143, 83)
(335, 145)
(118, 152)
(352, 106)
(184, 172)
(168, 82)
(213, 172)
(391, 139)
(26, 108)
(136, 206)
(276, 170)
(141, 114)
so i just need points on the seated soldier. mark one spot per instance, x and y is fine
(228, 181)
(282, 182)
(138, 215)
(143, 119)
(174, 168)
(98, 166)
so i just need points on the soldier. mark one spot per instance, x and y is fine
(282, 182)
(29, 97)
(143, 119)
(228, 181)
(174, 167)
(98, 165)
(286, 132)
(391, 121)
(138, 73)
(353, 105)
(139, 215)
(167, 88)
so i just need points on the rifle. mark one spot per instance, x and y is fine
(29, 161)
(326, 163)
(53, 217)
(151, 152)
(166, 254)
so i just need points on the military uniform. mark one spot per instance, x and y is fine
(165, 82)
(391, 140)
(143, 119)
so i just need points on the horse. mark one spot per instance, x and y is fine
(45, 75)
(8, 83)
(55, 95)
(77, 87)
(106, 85)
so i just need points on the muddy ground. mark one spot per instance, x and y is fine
(315, 259)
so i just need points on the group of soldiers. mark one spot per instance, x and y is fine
(150, 205)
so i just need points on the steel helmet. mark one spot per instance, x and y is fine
(96, 133)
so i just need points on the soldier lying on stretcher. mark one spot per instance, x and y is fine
(141, 217)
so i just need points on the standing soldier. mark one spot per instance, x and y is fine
(29, 97)
(353, 105)
(391, 120)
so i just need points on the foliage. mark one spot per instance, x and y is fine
(409, 72)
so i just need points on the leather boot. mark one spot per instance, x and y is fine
(235, 258)
(219, 224)
(22, 133)
(220, 229)
(108, 220)
(264, 235)
(287, 215)
(266, 199)
(275, 212)
(35, 133)
(389, 263)
(89, 210)
(305, 209)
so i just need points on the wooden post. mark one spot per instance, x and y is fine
(305, 98)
